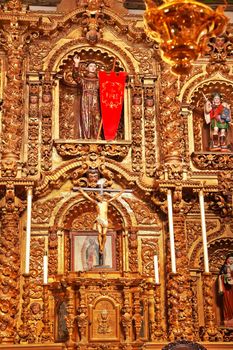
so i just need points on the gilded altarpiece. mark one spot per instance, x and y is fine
(115, 300)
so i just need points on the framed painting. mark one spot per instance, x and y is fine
(85, 251)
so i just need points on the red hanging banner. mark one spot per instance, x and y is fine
(112, 87)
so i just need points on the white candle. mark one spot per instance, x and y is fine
(28, 230)
(45, 269)
(156, 267)
(203, 229)
(171, 230)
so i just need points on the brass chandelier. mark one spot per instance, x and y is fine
(182, 29)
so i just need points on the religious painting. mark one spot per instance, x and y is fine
(85, 251)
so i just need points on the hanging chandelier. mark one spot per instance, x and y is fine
(182, 29)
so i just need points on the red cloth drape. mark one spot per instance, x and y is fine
(111, 101)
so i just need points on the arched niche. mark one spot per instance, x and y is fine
(201, 130)
(81, 239)
(70, 92)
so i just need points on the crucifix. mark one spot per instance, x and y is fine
(101, 221)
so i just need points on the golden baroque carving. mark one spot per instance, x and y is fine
(141, 211)
(149, 249)
(137, 125)
(116, 151)
(42, 211)
(171, 124)
(212, 161)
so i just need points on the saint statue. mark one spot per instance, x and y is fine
(218, 115)
(89, 119)
(226, 289)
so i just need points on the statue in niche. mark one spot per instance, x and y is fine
(226, 289)
(62, 331)
(218, 116)
(89, 120)
(79, 119)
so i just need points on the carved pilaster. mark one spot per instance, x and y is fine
(179, 293)
(46, 333)
(53, 253)
(170, 122)
(12, 116)
(211, 332)
(137, 317)
(82, 317)
(133, 250)
(149, 125)
(24, 333)
(126, 315)
(46, 114)
(9, 264)
(33, 129)
(137, 125)
(70, 321)
(157, 331)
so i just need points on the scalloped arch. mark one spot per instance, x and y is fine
(73, 46)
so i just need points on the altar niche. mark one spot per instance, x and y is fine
(79, 94)
(85, 251)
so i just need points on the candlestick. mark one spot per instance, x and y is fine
(156, 268)
(28, 230)
(203, 230)
(171, 231)
(45, 268)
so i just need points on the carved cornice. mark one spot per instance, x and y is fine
(55, 178)
(212, 161)
(114, 150)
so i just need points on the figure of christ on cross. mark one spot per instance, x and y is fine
(101, 222)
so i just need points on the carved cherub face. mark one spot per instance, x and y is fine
(46, 97)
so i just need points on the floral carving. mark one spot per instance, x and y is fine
(141, 211)
(149, 249)
(42, 211)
